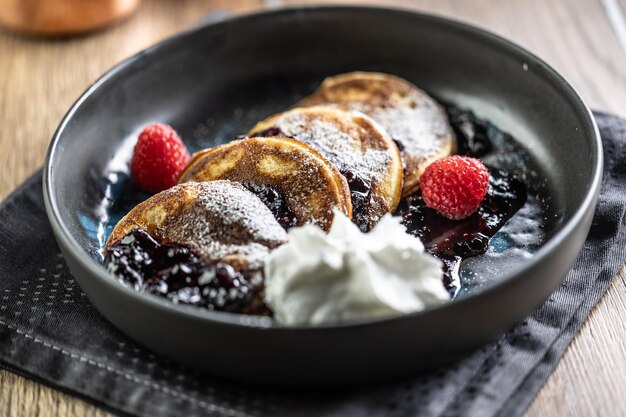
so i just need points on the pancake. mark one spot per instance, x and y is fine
(295, 181)
(413, 119)
(220, 221)
(356, 145)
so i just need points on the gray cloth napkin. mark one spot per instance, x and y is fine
(50, 332)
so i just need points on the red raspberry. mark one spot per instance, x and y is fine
(454, 186)
(158, 158)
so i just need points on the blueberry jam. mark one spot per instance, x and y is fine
(360, 195)
(176, 273)
(400, 146)
(272, 131)
(455, 240)
(275, 201)
(473, 134)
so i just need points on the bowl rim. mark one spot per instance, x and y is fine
(66, 239)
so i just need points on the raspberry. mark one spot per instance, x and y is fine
(454, 186)
(158, 158)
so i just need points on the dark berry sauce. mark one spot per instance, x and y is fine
(455, 240)
(472, 133)
(399, 144)
(275, 201)
(272, 131)
(360, 195)
(176, 273)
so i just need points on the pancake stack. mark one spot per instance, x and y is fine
(356, 145)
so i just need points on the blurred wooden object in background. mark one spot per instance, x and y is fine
(62, 17)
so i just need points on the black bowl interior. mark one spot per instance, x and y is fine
(216, 82)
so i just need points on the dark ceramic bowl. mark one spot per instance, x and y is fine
(214, 82)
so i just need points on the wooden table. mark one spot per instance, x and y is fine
(39, 80)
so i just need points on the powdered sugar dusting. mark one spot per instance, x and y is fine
(421, 126)
(336, 139)
(309, 184)
(225, 219)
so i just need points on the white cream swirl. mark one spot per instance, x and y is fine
(346, 275)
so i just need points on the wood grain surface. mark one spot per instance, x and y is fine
(40, 79)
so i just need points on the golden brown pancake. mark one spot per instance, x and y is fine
(221, 221)
(356, 145)
(413, 119)
(297, 183)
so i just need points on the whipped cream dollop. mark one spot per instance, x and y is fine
(347, 275)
